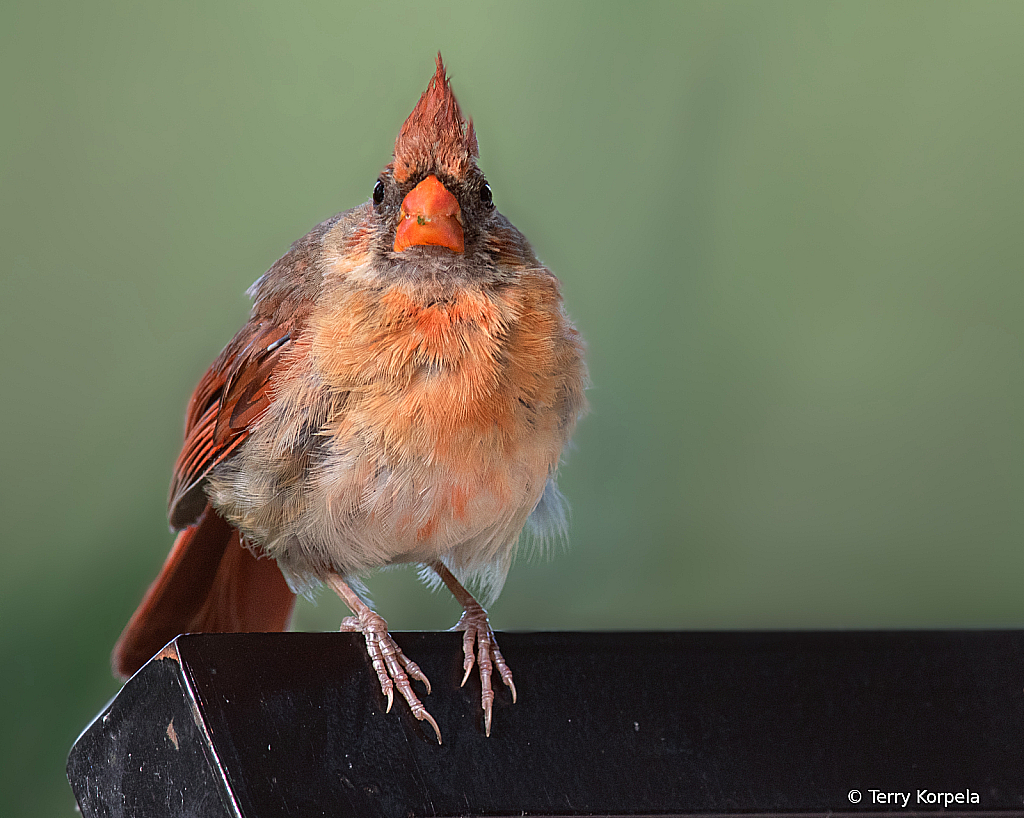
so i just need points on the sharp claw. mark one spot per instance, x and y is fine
(414, 671)
(393, 668)
(428, 718)
(421, 676)
(479, 646)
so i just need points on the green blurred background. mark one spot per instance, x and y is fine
(791, 233)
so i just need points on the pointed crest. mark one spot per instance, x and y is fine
(435, 134)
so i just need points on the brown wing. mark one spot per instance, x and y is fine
(232, 395)
(237, 388)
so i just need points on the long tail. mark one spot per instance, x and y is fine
(210, 583)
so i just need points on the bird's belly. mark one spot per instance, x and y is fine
(386, 510)
(410, 480)
(413, 428)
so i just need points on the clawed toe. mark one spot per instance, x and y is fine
(393, 668)
(480, 648)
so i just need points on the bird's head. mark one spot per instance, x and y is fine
(433, 195)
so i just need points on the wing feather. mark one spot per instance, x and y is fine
(232, 396)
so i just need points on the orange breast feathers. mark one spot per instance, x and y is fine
(464, 375)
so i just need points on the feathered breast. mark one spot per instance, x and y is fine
(440, 372)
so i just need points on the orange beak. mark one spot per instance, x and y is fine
(430, 214)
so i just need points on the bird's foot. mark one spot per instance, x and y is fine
(481, 648)
(393, 667)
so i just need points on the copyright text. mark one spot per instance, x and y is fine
(918, 797)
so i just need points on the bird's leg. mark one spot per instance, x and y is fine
(477, 630)
(393, 667)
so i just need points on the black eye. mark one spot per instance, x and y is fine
(485, 195)
(378, 192)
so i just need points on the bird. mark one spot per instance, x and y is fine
(401, 393)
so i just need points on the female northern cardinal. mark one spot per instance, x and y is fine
(401, 393)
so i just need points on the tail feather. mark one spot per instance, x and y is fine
(210, 583)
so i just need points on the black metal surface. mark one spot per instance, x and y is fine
(606, 723)
(146, 754)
